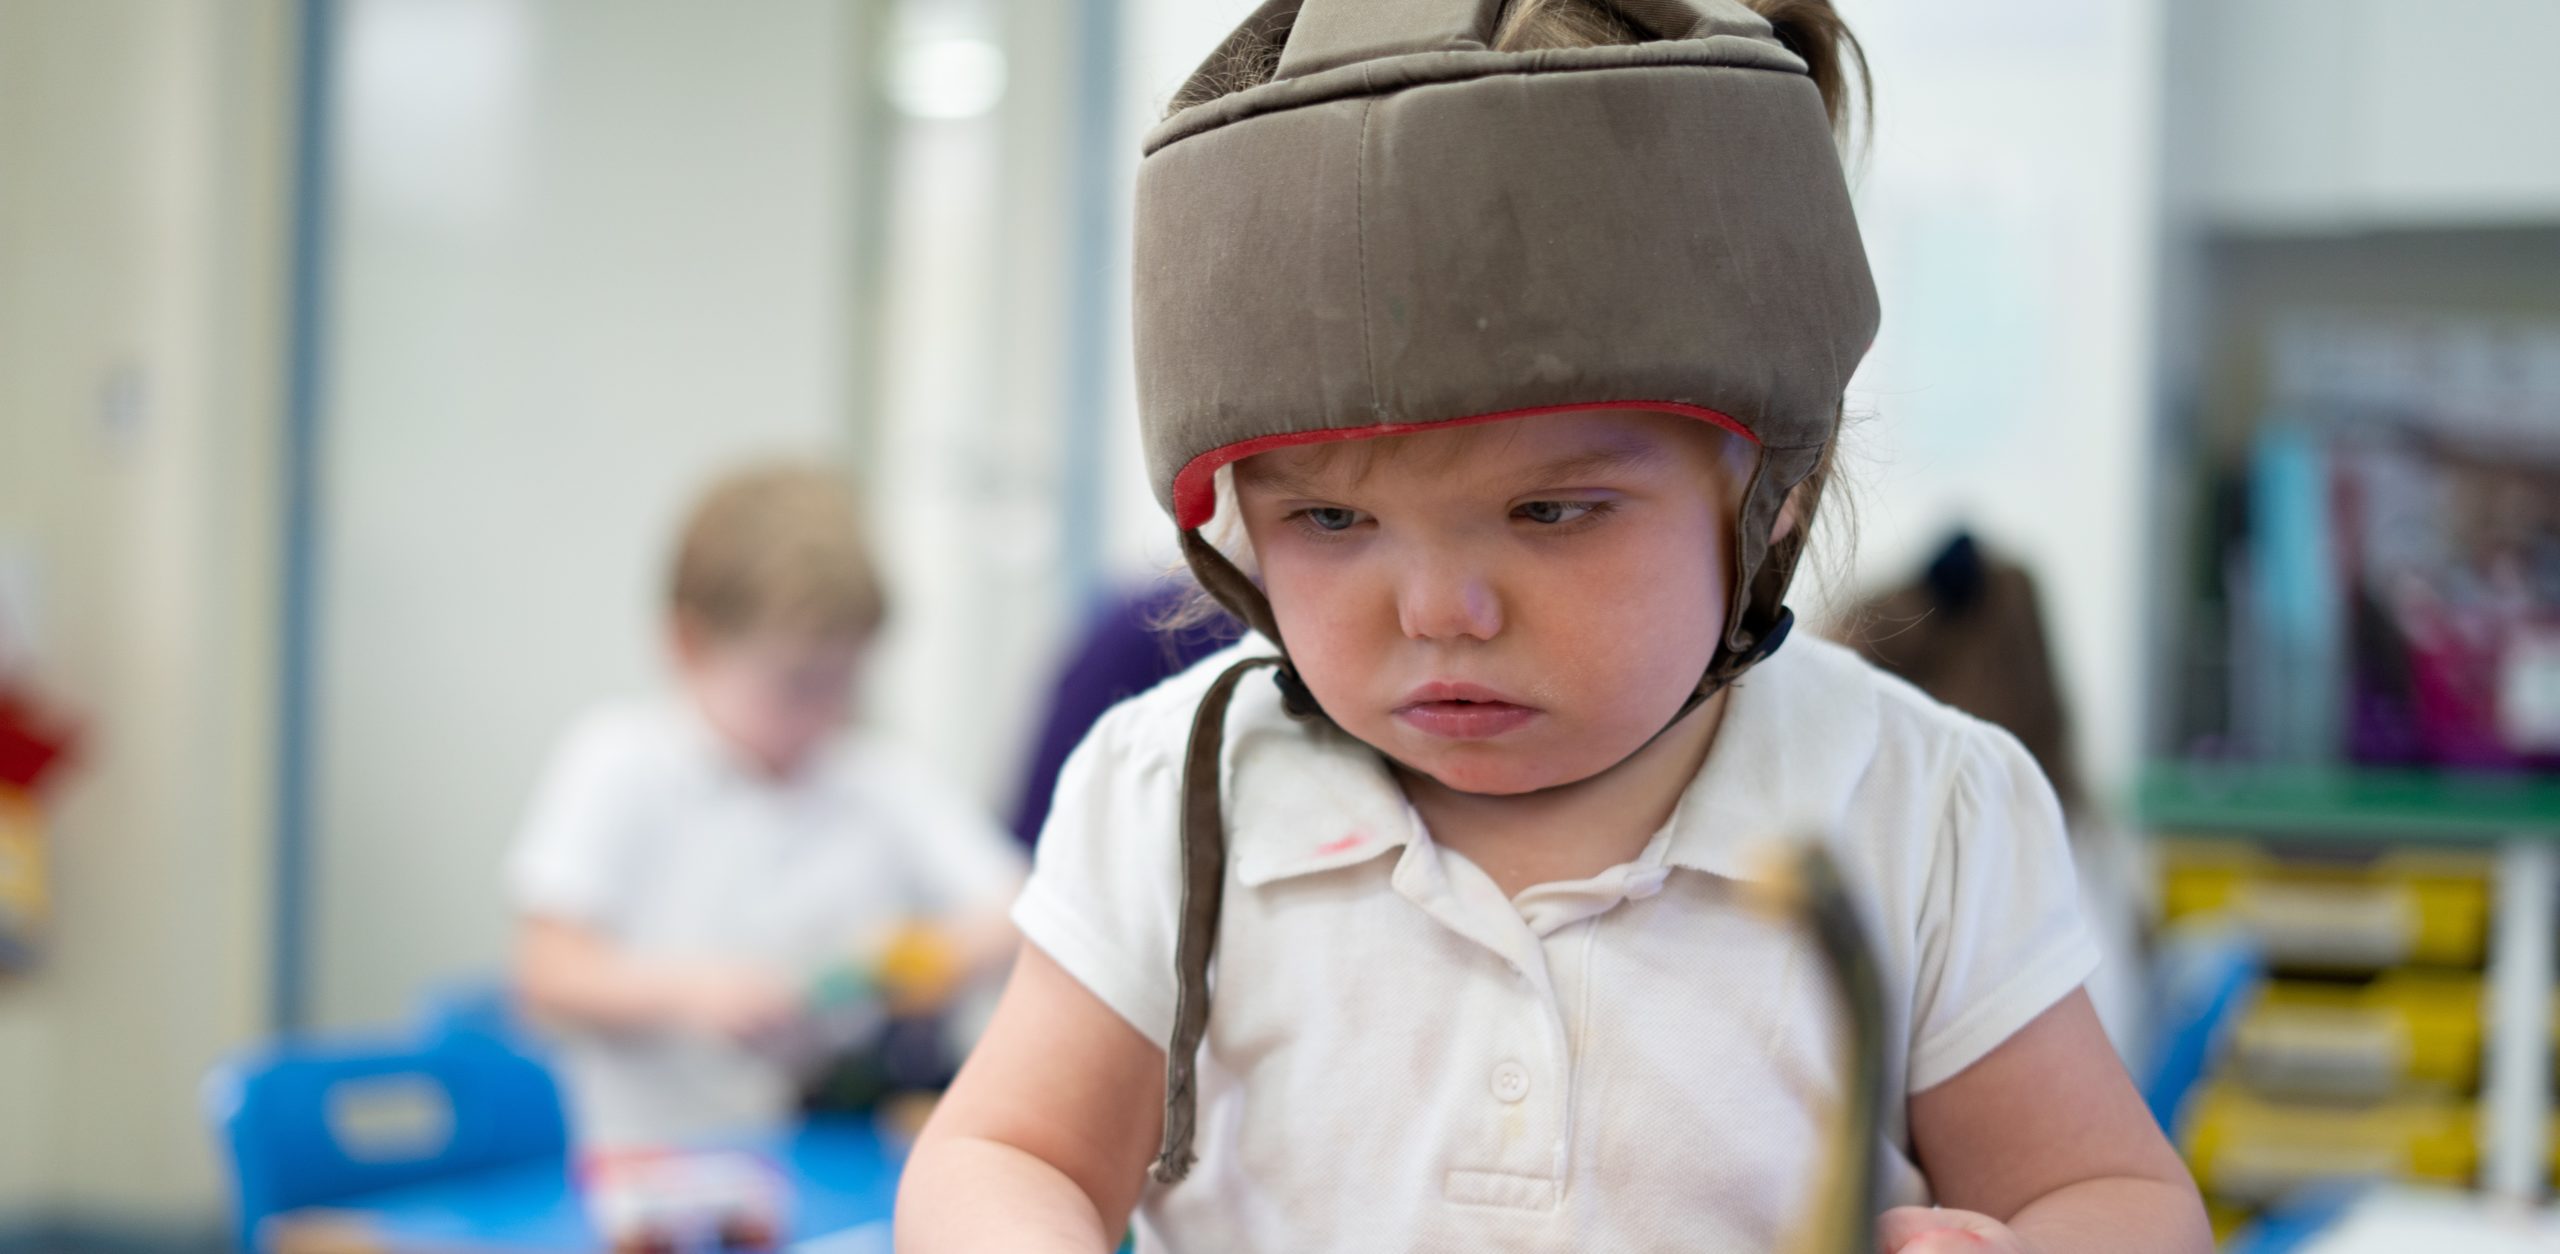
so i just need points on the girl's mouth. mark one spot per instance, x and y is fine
(1462, 712)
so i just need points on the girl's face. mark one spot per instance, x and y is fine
(1502, 607)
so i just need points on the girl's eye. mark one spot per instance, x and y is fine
(1330, 518)
(1551, 513)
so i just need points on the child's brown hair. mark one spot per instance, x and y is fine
(776, 547)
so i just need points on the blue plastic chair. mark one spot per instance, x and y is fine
(2204, 981)
(315, 1120)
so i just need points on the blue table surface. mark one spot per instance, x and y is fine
(845, 1175)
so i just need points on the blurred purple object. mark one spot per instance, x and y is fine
(1123, 652)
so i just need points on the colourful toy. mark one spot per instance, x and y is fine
(911, 969)
(686, 1201)
(868, 1017)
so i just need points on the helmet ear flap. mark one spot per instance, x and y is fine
(1244, 599)
(1231, 586)
(1764, 566)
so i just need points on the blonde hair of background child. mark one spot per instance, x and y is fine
(776, 548)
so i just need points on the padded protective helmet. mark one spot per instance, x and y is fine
(1403, 230)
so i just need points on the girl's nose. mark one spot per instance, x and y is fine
(1441, 601)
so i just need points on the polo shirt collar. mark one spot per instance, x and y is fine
(1312, 799)
(1799, 730)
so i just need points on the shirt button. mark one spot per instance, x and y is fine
(1511, 1082)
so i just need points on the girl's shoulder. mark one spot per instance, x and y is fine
(1153, 728)
(1838, 700)
(1818, 736)
(1845, 677)
(1834, 722)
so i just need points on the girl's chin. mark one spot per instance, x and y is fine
(1490, 774)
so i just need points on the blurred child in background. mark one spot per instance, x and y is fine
(699, 872)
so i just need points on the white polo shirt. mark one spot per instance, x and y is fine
(649, 829)
(1400, 1058)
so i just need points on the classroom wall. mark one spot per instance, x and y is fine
(587, 253)
(143, 172)
(2010, 202)
(1162, 41)
(978, 397)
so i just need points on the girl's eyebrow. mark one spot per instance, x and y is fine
(1280, 482)
(1593, 464)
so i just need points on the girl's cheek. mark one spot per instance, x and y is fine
(1308, 588)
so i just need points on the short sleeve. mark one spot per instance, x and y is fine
(958, 860)
(2001, 935)
(1105, 885)
(574, 855)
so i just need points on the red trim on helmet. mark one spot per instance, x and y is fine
(1195, 490)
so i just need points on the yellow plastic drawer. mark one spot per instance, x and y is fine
(2248, 1150)
(2365, 1041)
(2424, 907)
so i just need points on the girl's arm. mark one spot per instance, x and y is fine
(1043, 1142)
(2046, 1136)
(984, 939)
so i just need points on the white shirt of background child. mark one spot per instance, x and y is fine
(649, 829)
(1400, 1058)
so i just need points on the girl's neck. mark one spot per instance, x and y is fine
(1576, 831)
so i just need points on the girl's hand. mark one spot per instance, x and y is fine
(1928, 1230)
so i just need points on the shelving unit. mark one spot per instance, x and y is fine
(2397, 807)
(2516, 817)
(2360, 157)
